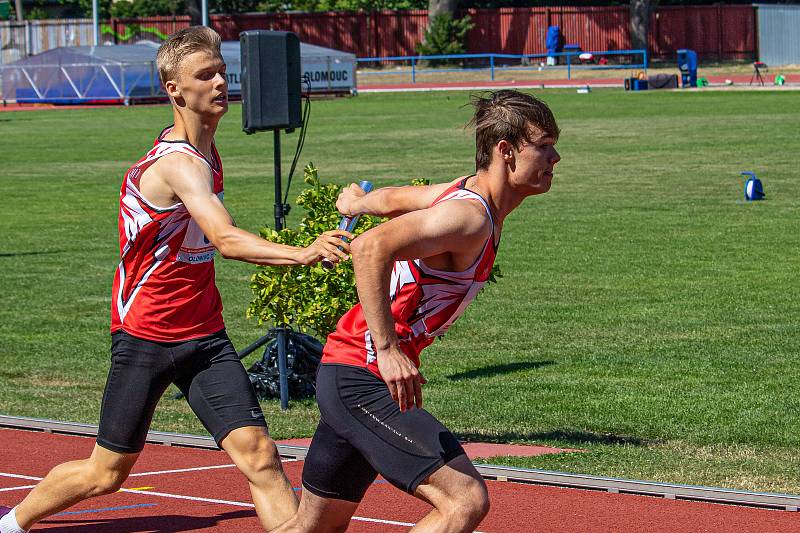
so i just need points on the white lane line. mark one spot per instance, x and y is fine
(17, 476)
(193, 498)
(212, 500)
(181, 470)
(196, 469)
(17, 488)
(250, 505)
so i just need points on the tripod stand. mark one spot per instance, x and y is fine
(758, 66)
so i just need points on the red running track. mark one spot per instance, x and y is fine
(163, 495)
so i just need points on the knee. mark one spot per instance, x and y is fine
(471, 505)
(259, 456)
(105, 481)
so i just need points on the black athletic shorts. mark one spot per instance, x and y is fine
(363, 433)
(206, 370)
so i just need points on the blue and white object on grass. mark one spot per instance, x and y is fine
(753, 188)
(348, 223)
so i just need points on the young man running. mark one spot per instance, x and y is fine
(166, 313)
(415, 275)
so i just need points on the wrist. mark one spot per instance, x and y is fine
(300, 255)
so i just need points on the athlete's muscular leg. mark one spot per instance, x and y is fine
(69, 483)
(458, 495)
(256, 455)
(319, 515)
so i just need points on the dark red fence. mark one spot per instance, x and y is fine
(715, 32)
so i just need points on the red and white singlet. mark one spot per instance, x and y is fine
(425, 302)
(164, 288)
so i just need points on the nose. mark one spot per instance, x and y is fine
(555, 158)
(220, 78)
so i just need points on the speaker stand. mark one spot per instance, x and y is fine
(279, 332)
(281, 210)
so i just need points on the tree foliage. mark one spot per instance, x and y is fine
(445, 35)
(307, 297)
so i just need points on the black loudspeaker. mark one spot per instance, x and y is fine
(270, 80)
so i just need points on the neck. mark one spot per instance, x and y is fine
(193, 129)
(502, 199)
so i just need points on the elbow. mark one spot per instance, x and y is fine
(364, 248)
(369, 249)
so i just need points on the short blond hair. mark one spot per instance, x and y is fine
(183, 43)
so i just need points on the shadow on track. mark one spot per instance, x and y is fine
(156, 524)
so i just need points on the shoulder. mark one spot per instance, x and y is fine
(179, 164)
(468, 214)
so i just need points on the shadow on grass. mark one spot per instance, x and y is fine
(495, 370)
(168, 523)
(20, 254)
(570, 437)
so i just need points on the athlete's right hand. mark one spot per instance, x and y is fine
(402, 377)
(347, 203)
(329, 245)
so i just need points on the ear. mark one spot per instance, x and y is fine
(504, 150)
(171, 88)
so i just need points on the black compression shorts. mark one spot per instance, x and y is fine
(206, 370)
(362, 433)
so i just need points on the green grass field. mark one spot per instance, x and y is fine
(647, 316)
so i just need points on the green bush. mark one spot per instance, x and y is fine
(445, 36)
(311, 298)
(307, 297)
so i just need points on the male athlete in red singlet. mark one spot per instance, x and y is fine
(166, 316)
(415, 275)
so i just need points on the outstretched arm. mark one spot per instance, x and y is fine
(388, 201)
(190, 180)
(449, 227)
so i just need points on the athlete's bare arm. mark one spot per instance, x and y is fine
(388, 201)
(454, 232)
(190, 181)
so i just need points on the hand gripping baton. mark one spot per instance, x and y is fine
(348, 223)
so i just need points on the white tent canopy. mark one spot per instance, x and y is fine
(126, 73)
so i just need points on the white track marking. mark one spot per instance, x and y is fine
(207, 500)
(17, 476)
(196, 469)
(193, 498)
(17, 488)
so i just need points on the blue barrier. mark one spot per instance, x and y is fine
(493, 67)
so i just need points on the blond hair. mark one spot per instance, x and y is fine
(183, 43)
(507, 114)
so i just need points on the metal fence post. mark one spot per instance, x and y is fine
(491, 62)
(413, 70)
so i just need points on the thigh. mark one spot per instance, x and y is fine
(140, 372)
(217, 387)
(335, 469)
(404, 447)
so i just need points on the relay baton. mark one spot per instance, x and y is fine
(348, 223)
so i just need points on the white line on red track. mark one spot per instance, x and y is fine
(18, 488)
(196, 469)
(210, 500)
(17, 476)
(181, 470)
